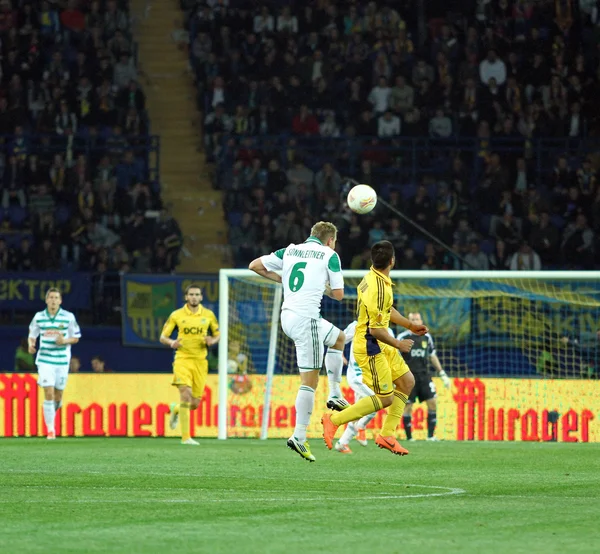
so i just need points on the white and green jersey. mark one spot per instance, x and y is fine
(48, 327)
(306, 269)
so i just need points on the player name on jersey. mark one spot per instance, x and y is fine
(296, 253)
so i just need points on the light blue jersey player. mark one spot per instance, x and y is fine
(355, 380)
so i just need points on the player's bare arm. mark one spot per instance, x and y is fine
(171, 343)
(382, 335)
(61, 341)
(32, 349)
(258, 267)
(397, 318)
(334, 294)
(210, 340)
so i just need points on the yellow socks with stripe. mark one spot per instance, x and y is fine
(363, 407)
(184, 418)
(394, 413)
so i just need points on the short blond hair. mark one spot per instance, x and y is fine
(323, 230)
(53, 289)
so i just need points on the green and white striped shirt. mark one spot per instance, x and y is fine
(48, 327)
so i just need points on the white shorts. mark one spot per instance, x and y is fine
(310, 336)
(360, 389)
(50, 375)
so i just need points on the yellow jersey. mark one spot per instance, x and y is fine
(192, 328)
(373, 310)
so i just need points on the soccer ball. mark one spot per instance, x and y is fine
(362, 199)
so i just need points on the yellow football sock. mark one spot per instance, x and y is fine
(394, 413)
(184, 417)
(176, 408)
(363, 407)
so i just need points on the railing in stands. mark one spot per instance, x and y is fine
(406, 159)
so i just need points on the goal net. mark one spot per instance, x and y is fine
(521, 350)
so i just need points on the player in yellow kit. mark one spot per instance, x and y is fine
(190, 366)
(376, 353)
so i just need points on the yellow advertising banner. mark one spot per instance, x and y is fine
(137, 405)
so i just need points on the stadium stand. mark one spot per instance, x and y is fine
(484, 131)
(79, 187)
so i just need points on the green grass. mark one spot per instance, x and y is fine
(246, 496)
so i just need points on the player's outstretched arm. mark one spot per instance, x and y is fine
(258, 267)
(397, 318)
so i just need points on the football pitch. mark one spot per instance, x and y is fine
(248, 496)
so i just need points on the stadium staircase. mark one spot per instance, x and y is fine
(185, 177)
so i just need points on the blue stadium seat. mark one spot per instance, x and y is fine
(235, 219)
(62, 214)
(17, 216)
(557, 221)
(418, 245)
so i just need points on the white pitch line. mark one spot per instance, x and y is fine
(443, 491)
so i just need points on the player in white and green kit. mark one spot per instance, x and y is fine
(310, 270)
(58, 330)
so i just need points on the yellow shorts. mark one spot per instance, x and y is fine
(380, 371)
(191, 373)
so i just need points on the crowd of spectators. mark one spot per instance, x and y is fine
(297, 96)
(75, 182)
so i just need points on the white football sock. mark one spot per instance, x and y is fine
(334, 363)
(349, 433)
(305, 402)
(49, 413)
(364, 421)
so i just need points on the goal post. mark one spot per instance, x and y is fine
(515, 333)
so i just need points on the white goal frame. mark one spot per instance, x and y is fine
(224, 275)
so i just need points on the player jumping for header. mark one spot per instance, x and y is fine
(424, 389)
(310, 270)
(58, 330)
(376, 352)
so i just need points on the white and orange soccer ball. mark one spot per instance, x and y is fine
(362, 199)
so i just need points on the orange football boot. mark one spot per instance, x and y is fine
(329, 429)
(391, 444)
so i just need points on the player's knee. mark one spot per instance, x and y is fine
(386, 400)
(58, 395)
(310, 379)
(406, 383)
(340, 342)
(432, 405)
(49, 394)
(185, 394)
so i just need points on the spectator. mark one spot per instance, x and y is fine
(362, 260)
(74, 364)
(440, 126)
(544, 239)
(401, 96)
(578, 243)
(24, 361)
(304, 123)
(388, 125)
(492, 67)
(499, 259)
(475, 258)
(99, 365)
(525, 259)
(379, 97)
